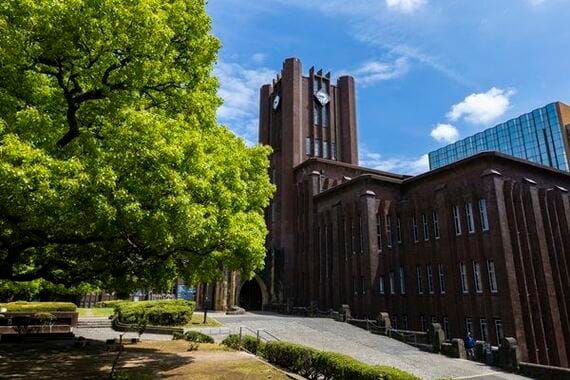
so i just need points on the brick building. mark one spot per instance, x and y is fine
(481, 244)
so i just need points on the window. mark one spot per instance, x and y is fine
(456, 220)
(398, 229)
(388, 231)
(463, 273)
(435, 226)
(381, 285)
(361, 231)
(333, 151)
(404, 322)
(483, 214)
(352, 238)
(402, 281)
(426, 227)
(325, 149)
(492, 276)
(346, 241)
(363, 282)
(430, 279)
(422, 323)
(316, 114)
(318, 147)
(308, 146)
(415, 228)
(499, 331)
(468, 326)
(470, 220)
(395, 322)
(392, 284)
(419, 279)
(354, 285)
(484, 330)
(446, 328)
(441, 279)
(379, 232)
(477, 277)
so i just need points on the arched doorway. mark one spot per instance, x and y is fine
(250, 295)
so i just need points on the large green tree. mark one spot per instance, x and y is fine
(113, 171)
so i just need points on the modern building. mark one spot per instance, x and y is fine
(479, 245)
(541, 136)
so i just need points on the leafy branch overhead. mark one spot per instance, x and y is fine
(113, 170)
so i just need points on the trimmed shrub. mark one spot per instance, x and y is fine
(251, 344)
(294, 357)
(38, 307)
(198, 337)
(232, 341)
(155, 313)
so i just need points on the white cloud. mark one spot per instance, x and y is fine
(482, 108)
(445, 133)
(405, 6)
(375, 71)
(411, 166)
(258, 58)
(239, 88)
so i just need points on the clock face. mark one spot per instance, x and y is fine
(276, 102)
(322, 97)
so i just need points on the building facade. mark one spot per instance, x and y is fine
(541, 136)
(479, 245)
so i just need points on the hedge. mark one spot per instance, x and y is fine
(314, 364)
(193, 336)
(110, 303)
(155, 313)
(34, 307)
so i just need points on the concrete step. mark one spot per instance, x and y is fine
(94, 323)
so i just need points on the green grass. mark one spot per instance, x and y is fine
(198, 318)
(95, 312)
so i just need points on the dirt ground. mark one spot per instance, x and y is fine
(145, 360)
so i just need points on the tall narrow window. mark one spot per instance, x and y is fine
(470, 220)
(446, 328)
(456, 220)
(392, 283)
(499, 331)
(484, 330)
(355, 285)
(325, 149)
(361, 231)
(477, 277)
(468, 326)
(363, 283)
(379, 232)
(426, 227)
(463, 275)
(483, 214)
(308, 151)
(430, 279)
(316, 114)
(415, 229)
(398, 229)
(346, 240)
(325, 111)
(318, 147)
(435, 225)
(441, 278)
(381, 285)
(333, 151)
(492, 276)
(404, 322)
(395, 322)
(388, 231)
(402, 281)
(422, 323)
(352, 238)
(419, 279)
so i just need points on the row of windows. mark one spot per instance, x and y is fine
(425, 225)
(429, 272)
(317, 152)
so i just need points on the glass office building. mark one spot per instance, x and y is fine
(539, 136)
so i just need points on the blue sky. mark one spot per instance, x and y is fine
(427, 72)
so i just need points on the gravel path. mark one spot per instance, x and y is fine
(108, 333)
(327, 334)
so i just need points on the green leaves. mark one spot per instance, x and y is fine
(113, 170)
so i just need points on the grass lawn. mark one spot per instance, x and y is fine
(95, 312)
(198, 318)
(146, 360)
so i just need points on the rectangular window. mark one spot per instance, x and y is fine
(316, 114)
(456, 220)
(477, 277)
(470, 220)
(430, 279)
(492, 276)
(392, 283)
(318, 147)
(422, 323)
(361, 231)
(355, 285)
(419, 279)
(463, 274)
(446, 328)
(381, 285)
(388, 231)
(395, 322)
(363, 282)
(352, 238)
(415, 229)
(346, 241)
(325, 149)
(441, 279)
(308, 146)
(499, 331)
(404, 322)
(333, 151)
(402, 281)
(379, 232)
(484, 330)
(426, 227)
(468, 326)
(435, 226)
(398, 229)
(325, 111)
(483, 214)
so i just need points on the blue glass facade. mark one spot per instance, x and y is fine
(536, 136)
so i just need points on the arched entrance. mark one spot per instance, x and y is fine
(253, 295)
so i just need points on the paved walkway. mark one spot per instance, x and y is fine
(327, 334)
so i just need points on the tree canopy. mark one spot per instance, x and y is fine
(113, 170)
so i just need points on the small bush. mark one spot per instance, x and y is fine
(177, 335)
(251, 344)
(155, 313)
(198, 337)
(294, 357)
(232, 341)
(37, 307)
